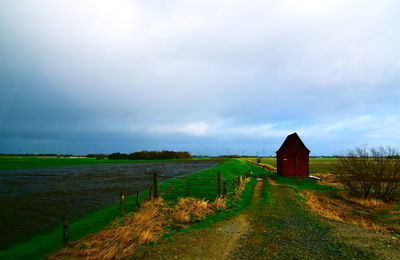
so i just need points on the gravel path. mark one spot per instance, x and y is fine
(275, 226)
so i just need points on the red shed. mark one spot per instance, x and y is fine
(292, 159)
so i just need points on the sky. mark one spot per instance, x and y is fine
(210, 77)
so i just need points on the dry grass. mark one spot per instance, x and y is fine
(342, 209)
(239, 190)
(326, 178)
(190, 210)
(267, 166)
(122, 237)
(367, 203)
(219, 204)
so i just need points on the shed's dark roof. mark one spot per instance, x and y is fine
(288, 139)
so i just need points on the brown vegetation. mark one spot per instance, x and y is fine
(326, 178)
(191, 210)
(370, 172)
(147, 225)
(266, 166)
(240, 188)
(360, 212)
(150, 155)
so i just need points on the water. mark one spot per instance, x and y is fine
(34, 200)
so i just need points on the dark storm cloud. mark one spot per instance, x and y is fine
(87, 76)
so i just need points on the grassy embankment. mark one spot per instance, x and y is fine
(42, 245)
(23, 162)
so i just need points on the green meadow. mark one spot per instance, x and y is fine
(317, 165)
(24, 162)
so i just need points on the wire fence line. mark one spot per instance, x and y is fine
(187, 186)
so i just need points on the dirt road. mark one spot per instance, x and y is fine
(276, 226)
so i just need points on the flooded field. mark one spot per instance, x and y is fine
(34, 200)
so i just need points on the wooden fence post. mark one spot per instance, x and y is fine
(121, 204)
(138, 199)
(234, 185)
(225, 188)
(219, 184)
(151, 192)
(238, 181)
(65, 231)
(155, 185)
(188, 187)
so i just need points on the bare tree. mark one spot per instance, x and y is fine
(370, 172)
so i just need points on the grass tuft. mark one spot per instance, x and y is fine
(190, 210)
(121, 238)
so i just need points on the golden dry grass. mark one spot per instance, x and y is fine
(326, 178)
(239, 190)
(343, 208)
(189, 210)
(122, 237)
(368, 203)
(267, 166)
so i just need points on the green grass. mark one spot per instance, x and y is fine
(317, 165)
(41, 245)
(231, 169)
(300, 183)
(205, 188)
(23, 162)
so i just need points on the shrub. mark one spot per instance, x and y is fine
(370, 172)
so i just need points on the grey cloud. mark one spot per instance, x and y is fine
(124, 68)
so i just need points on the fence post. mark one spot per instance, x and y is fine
(225, 188)
(188, 187)
(234, 185)
(121, 204)
(155, 185)
(238, 181)
(219, 184)
(138, 199)
(65, 231)
(151, 192)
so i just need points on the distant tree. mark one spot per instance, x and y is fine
(370, 172)
(118, 156)
(150, 155)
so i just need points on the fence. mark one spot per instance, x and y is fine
(207, 188)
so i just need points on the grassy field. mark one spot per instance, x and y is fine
(42, 245)
(317, 165)
(23, 162)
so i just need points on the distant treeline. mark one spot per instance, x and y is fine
(150, 155)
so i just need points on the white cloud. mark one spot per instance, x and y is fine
(193, 129)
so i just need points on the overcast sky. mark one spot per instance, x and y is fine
(210, 77)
